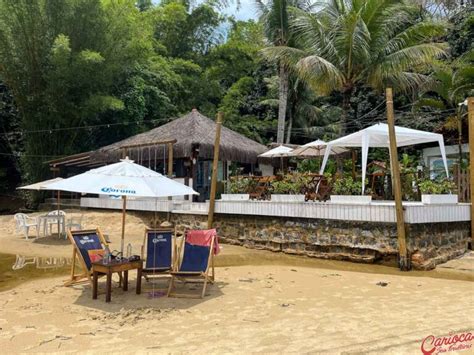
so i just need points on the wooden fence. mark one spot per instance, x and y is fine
(461, 179)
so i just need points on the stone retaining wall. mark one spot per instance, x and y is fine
(428, 244)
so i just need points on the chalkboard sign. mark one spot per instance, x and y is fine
(159, 249)
(86, 243)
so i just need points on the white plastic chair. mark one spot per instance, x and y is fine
(74, 223)
(24, 223)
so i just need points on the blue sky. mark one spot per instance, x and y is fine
(246, 11)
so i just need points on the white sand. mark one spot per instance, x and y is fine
(270, 309)
(262, 309)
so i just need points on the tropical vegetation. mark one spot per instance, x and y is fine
(78, 74)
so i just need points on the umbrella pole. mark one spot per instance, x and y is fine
(124, 206)
(58, 202)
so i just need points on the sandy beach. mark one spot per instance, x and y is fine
(250, 309)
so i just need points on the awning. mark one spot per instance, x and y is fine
(377, 136)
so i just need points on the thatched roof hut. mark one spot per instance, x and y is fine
(192, 131)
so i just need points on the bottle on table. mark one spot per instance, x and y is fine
(129, 250)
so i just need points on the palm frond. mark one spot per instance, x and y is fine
(320, 74)
(413, 56)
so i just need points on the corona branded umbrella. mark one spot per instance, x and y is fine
(124, 179)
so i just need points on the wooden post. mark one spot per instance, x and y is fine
(58, 202)
(470, 110)
(353, 155)
(170, 173)
(124, 207)
(394, 164)
(170, 160)
(212, 199)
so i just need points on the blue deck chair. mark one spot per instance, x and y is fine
(84, 241)
(196, 262)
(158, 251)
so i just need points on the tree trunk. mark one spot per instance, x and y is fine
(346, 105)
(290, 126)
(282, 103)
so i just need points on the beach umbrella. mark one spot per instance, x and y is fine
(124, 179)
(45, 185)
(42, 185)
(278, 152)
(316, 148)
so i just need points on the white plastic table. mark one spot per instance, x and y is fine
(59, 219)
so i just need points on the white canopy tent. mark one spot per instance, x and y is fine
(377, 136)
(123, 179)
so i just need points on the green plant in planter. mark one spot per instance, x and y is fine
(348, 186)
(240, 185)
(291, 184)
(433, 187)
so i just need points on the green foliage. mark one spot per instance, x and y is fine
(308, 165)
(461, 34)
(376, 43)
(240, 185)
(292, 184)
(431, 187)
(76, 63)
(347, 186)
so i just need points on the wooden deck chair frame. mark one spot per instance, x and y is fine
(157, 273)
(198, 276)
(86, 275)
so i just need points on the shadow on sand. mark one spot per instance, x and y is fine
(153, 296)
(53, 239)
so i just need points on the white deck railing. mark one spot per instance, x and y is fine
(383, 212)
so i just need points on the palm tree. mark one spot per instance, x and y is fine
(452, 84)
(304, 116)
(274, 15)
(375, 43)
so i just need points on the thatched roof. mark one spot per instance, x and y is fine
(191, 130)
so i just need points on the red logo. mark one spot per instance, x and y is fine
(432, 345)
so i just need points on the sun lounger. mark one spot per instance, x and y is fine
(198, 249)
(86, 244)
(159, 252)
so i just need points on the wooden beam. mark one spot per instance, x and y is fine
(212, 200)
(141, 145)
(67, 158)
(403, 261)
(470, 110)
(170, 160)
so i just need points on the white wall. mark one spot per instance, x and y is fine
(267, 170)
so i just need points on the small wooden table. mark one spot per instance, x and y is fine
(109, 269)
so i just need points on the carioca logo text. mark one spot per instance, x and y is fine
(435, 345)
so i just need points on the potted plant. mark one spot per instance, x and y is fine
(347, 190)
(288, 188)
(238, 189)
(438, 192)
